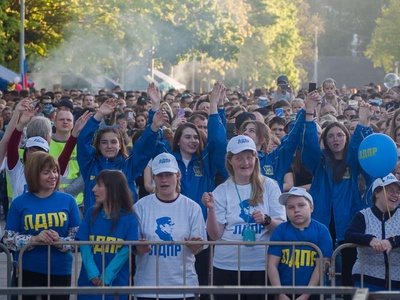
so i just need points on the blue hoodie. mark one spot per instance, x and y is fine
(199, 176)
(276, 164)
(132, 166)
(342, 197)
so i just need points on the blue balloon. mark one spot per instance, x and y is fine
(377, 155)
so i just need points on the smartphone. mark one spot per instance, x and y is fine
(284, 87)
(130, 114)
(353, 103)
(394, 105)
(377, 101)
(312, 86)
(279, 112)
(181, 113)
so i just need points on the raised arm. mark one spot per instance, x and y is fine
(23, 105)
(12, 148)
(65, 155)
(155, 95)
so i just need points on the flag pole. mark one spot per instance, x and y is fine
(22, 62)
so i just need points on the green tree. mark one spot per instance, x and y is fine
(274, 45)
(384, 48)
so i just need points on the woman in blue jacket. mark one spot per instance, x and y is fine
(336, 173)
(109, 152)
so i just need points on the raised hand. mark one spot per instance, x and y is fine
(155, 95)
(106, 108)
(80, 123)
(24, 105)
(364, 113)
(313, 99)
(216, 92)
(158, 121)
(26, 116)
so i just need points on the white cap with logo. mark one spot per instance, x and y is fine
(295, 191)
(164, 162)
(388, 179)
(37, 141)
(240, 143)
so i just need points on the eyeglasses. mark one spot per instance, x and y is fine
(339, 136)
(392, 190)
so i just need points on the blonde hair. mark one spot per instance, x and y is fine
(256, 180)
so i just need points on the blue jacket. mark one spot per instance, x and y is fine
(199, 176)
(276, 164)
(343, 198)
(132, 166)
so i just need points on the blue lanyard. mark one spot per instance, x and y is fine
(241, 205)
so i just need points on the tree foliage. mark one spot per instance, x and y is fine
(384, 47)
(255, 39)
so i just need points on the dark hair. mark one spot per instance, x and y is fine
(178, 135)
(277, 120)
(119, 197)
(120, 138)
(281, 103)
(339, 165)
(198, 115)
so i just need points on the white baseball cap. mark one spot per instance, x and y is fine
(164, 162)
(388, 179)
(295, 191)
(37, 141)
(240, 143)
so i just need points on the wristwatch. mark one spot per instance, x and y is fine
(267, 220)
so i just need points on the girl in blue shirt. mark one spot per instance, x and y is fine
(111, 219)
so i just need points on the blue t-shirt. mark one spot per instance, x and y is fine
(125, 230)
(305, 256)
(30, 214)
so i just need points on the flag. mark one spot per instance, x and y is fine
(24, 74)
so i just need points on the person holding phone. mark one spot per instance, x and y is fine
(336, 173)
(284, 90)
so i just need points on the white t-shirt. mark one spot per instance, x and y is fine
(234, 212)
(175, 221)
(17, 179)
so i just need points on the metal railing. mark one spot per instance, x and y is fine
(211, 289)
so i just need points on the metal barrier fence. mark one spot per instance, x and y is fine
(211, 289)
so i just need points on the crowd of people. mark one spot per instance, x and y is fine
(271, 165)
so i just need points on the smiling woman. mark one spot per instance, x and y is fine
(243, 208)
(378, 228)
(53, 216)
(109, 151)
